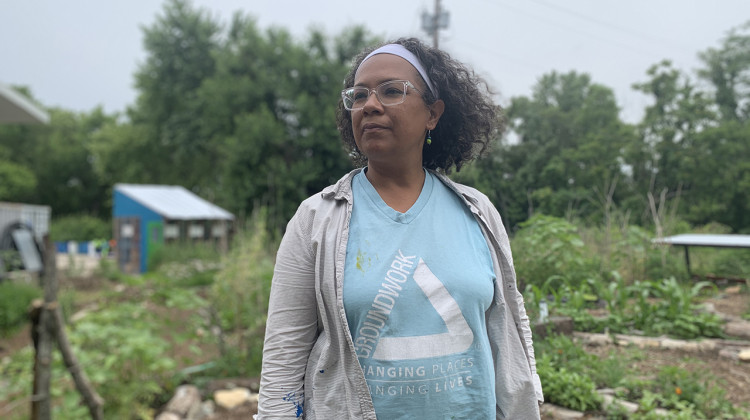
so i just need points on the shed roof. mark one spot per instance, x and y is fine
(15, 108)
(705, 239)
(174, 202)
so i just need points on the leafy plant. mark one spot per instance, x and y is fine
(567, 388)
(239, 298)
(549, 251)
(667, 307)
(15, 301)
(194, 255)
(125, 358)
(79, 228)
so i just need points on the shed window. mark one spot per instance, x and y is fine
(196, 231)
(218, 230)
(171, 231)
(127, 230)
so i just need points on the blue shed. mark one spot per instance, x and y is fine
(147, 216)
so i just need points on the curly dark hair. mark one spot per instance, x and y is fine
(470, 119)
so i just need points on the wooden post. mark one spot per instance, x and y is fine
(43, 334)
(48, 326)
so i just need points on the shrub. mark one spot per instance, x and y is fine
(183, 253)
(549, 251)
(567, 388)
(125, 358)
(79, 228)
(15, 301)
(239, 299)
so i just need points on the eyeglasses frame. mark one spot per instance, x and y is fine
(407, 84)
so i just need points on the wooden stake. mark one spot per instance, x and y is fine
(47, 326)
(41, 403)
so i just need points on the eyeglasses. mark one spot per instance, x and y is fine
(392, 92)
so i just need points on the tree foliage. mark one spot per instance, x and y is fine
(241, 116)
(244, 117)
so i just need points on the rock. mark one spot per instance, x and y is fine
(640, 342)
(230, 398)
(744, 355)
(739, 329)
(202, 411)
(253, 384)
(555, 324)
(184, 399)
(733, 290)
(594, 339)
(555, 412)
(608, 400)
(168, 416)
(729, 353)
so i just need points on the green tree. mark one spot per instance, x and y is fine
(727, 68)
(660, 157)
(180, 49)
(52, 164)
(273, 103)
(693, 143)
(17, 182)
(564, 150)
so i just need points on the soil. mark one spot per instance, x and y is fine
(733, 377)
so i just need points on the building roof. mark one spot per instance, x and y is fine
(16, 109)
(704, 239)
(174, 202)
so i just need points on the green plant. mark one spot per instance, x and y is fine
(10, 260)
(668, 307)
(125, 357)
(79, 228)
(108, 269)
(15, 301)
(685, 394)
(183, 253)
(18, 366)
(567, 388)
(679, 388)
(549, 251)
(651, 307)
(239, 298)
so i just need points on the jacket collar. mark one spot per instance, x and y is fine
(342, 189)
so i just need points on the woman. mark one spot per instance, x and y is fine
(394, 293)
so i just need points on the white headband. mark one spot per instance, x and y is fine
(401, 51)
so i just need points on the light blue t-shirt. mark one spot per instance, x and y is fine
(416, 289)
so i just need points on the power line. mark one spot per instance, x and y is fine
(588, 35)
(604, 24)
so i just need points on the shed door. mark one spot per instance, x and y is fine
(127, 234)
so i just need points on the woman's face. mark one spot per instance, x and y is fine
(392, 133)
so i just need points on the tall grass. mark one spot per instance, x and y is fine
(239, 298)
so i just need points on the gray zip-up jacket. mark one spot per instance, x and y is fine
(310, 369)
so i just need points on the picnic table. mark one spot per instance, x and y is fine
(705, 240)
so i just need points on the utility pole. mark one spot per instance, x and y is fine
(432, 24)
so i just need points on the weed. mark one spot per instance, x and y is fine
(15, 301)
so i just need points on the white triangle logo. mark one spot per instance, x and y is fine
(458, 338)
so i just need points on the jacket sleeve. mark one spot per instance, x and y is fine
(526, 334)
(291, 326)
(524, 327)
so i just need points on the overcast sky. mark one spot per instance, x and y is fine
(78, 54)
